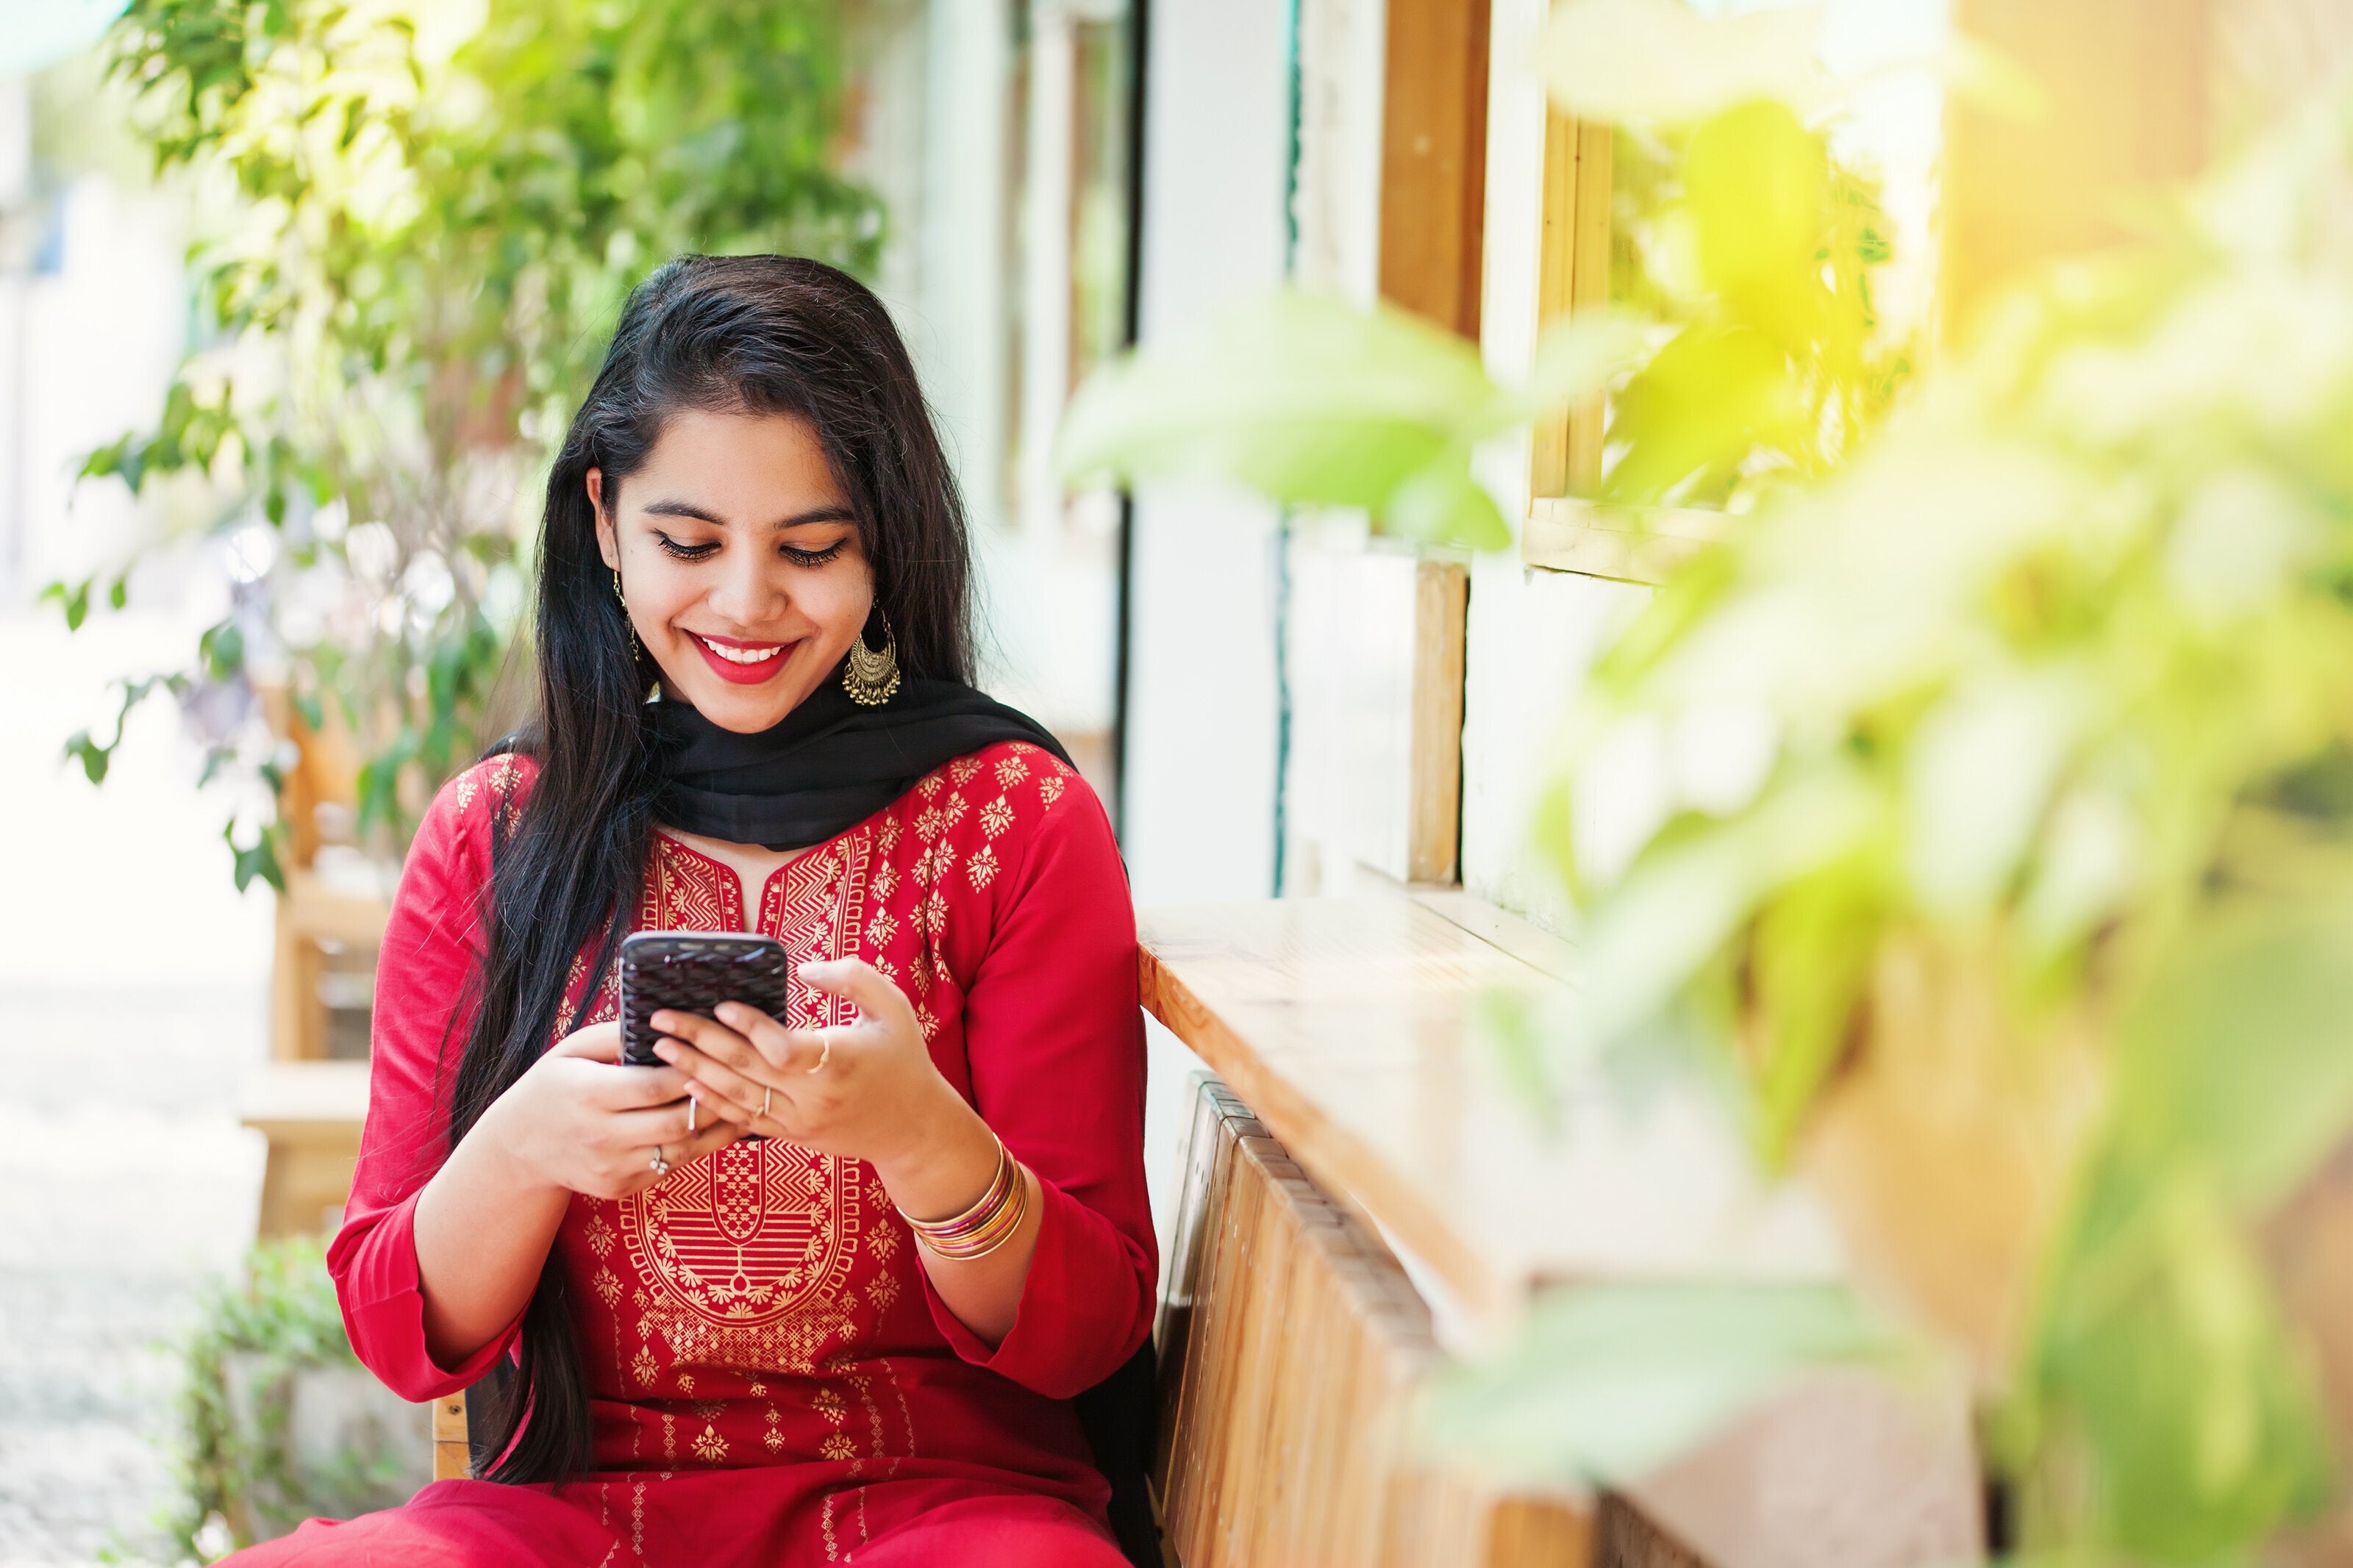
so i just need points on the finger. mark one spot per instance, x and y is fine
(677, 1151)
(631, 1088)
(743, 1098)
(783, 1049)
(855, 981)
(665, 1125)
(724, 1046)
(707, 1036)
(598, 1042)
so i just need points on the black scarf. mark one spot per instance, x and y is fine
(828, 766)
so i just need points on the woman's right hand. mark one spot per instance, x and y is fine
(582, 1119)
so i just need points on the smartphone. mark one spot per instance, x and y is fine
(693, 972)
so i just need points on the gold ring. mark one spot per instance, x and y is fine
(661, 1166)
(766, 1098)
(693, 1105)
(824, 1053)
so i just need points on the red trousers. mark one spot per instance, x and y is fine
(475, 1525)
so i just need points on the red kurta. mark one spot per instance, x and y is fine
(775, 1382)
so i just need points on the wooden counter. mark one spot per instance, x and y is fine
(1355, 1029)
(1350, 1032)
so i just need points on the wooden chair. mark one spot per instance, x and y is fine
(311, 1113)
(309, 1107)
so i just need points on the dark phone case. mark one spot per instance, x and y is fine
(693, 972)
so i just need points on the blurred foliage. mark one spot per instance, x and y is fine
(1985, 803)
(2054, 682)
(1310, 401)
(1754, 246)
(1744, 347)
(1604, 1383)
(429, 214)
(239, 1479)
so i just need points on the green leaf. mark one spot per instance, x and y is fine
(1301, 397)
(258, 862)
(1756, 188)
(1577, 356)
(93, 757)
(1604, 1383)
(1655, 62)
(2241, 1056)
(222, 649)
(2161, 1353)
(1445, 505)
(73, 598)
(1702, 404)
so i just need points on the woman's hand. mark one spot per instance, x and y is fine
(578, 1121)
(865, 1090)
(584, 1121)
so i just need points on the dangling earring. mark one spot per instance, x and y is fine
(636, 647)
(871, 677)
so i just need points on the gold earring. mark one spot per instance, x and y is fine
(636, 647)
(870, 676)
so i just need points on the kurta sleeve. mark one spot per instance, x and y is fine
(1055, 1045)
(424, 978)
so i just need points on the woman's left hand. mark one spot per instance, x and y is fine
(865, 1090)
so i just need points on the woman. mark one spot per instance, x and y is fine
(853, 1337)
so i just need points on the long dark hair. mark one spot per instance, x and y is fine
(757, 334)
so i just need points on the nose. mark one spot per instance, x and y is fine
(750, 588)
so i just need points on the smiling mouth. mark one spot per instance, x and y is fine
(740, 655)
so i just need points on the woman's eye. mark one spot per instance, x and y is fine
(812, 557)
(672, 548)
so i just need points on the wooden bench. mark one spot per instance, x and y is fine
(311, 1113)
(1360, 1112)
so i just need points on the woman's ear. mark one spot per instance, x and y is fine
(607, 544)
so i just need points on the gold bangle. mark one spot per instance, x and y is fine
(988, 1223)
(998, 1230)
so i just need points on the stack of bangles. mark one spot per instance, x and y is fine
(988, 1224)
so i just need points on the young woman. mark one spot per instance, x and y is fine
(855, 1337)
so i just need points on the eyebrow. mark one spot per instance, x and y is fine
(687, 508)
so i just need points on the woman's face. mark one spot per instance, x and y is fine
(740, 561)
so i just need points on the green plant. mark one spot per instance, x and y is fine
(1745, 350)
(427, 217)
(235, 1459)
(1981, 816)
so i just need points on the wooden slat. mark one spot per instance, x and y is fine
(1303, 1353)
(1442, 598)
(1433, 160)
(450, 1457)
(1572, 273)
(1630, 545)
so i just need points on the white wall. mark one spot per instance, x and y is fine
(1532, 633)
(1202, 717)
(1200, 766)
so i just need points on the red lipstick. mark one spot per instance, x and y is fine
(740, 673)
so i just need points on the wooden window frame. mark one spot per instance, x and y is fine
(1565, 531)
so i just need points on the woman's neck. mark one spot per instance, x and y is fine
(752, 864)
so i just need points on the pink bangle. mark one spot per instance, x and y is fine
(988, 1224)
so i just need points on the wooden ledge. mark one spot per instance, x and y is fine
(1351, 1027)
(1629, 544)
